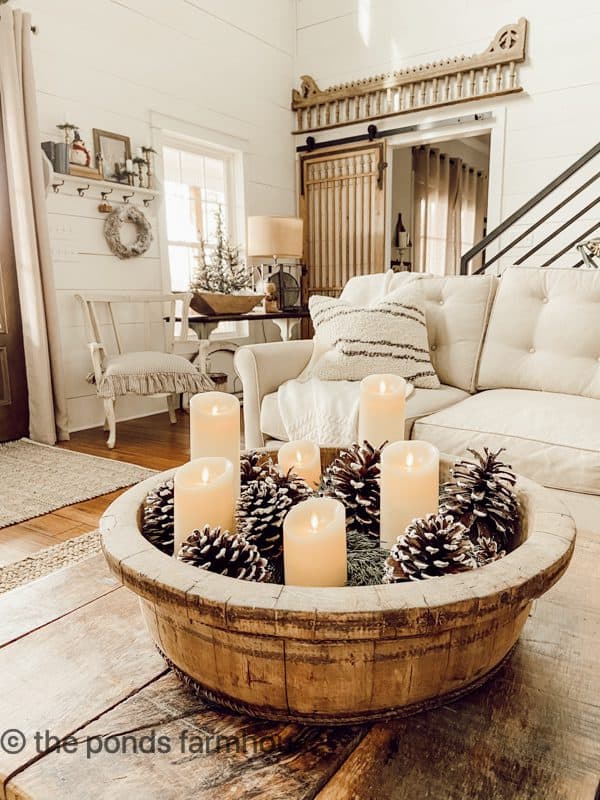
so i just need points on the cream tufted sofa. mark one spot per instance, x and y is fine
(519, 362)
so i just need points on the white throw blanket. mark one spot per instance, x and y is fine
(326, 412)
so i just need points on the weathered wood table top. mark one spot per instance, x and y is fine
(88, 710)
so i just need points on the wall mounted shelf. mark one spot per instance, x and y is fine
(69, 184)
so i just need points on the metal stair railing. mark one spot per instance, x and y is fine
(527, 207)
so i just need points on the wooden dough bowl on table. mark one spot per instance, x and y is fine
(338, 655)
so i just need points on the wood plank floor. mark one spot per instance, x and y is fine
(150, 442)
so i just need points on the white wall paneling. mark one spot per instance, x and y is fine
(221, 71)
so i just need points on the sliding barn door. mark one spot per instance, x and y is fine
(342, 202)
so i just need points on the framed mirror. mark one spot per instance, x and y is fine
(113, 151)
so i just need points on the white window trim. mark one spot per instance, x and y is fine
(234, 159)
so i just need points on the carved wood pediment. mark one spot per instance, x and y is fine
(451, 80)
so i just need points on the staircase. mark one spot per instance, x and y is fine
(572, 192)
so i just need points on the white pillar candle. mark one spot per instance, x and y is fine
(204, 495)
(409, 486)
(303, 458)
(215, 429)
(314, 543)
(381, 415)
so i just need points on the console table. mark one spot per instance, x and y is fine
(204, 326)
(287, 321)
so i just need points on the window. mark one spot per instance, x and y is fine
(197, 181)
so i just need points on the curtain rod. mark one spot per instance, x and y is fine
(373, 133)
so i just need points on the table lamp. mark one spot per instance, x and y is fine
(276, 237)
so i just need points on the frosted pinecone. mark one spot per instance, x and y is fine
(481, 495)
(224, 553)
(255, 466)
(432, 546)
(487, 550)
(158, 525)
(353, 478)
(263, 506)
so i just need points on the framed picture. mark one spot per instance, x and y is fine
(112, 153)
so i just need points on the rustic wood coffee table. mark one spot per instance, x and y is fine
(89, 711)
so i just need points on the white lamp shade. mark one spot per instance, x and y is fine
(281, 237)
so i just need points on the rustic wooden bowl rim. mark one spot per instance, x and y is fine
(524, 574)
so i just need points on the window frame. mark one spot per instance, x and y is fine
(234, 194)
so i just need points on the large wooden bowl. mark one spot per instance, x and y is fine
(213, 303)
(327, 656)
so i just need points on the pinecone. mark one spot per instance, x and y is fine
(487, 550)
(432, 546)
(224, 553)
(262, 507)
(481, 495)
(353, 478)
(254, 466)
(158, 524)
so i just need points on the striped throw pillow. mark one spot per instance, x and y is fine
(389, 335)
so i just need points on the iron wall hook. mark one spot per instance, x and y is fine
(56, 187)
(126, 197)
(81, 190)
(148, 200)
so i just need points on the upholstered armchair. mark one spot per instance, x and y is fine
(164, 365)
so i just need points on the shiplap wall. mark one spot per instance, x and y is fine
(547, 127)
(218, 71)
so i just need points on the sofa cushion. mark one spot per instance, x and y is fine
(150, 372)
(457, 309)
(544, 332)
(421, 401)
(551, 438)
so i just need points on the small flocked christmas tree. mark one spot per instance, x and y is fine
(223, 271)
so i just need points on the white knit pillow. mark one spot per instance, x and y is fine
(389, 336)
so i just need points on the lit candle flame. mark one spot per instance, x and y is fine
(382, 387)
(215, 409)
(298, 456)
(205, 475)
(314, 522)
(410, 460)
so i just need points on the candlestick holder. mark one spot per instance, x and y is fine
(345, 654)
(68, 130)
(140, 163)
(149, 153)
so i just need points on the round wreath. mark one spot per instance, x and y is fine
(112, 232)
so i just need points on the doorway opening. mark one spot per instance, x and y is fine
(438, 204)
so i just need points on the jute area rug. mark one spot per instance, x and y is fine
(49, 560)
(36, 479)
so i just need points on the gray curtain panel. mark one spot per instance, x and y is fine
(26, 203)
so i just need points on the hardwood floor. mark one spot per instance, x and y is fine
(150, 442)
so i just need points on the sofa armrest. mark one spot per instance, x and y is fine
(262, 368)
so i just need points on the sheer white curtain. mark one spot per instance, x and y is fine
(449, 206)
(26, 207)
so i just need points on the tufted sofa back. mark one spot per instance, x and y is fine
(544, 332)
(458, 309)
